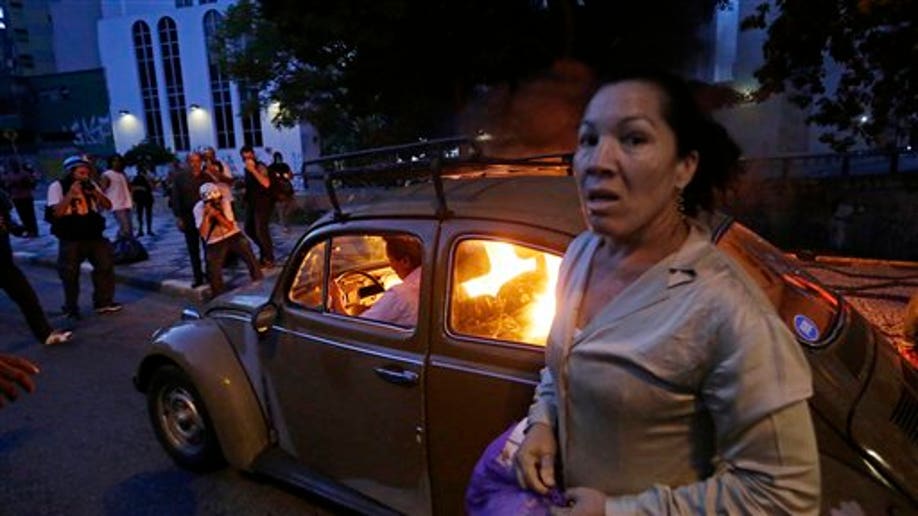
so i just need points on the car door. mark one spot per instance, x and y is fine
(346, 392)
(496, 290)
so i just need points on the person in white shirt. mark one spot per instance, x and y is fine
(115, 183)
(214, 219)
(399, 304)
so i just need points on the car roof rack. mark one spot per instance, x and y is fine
(427, 160)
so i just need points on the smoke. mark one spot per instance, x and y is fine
(536, 116)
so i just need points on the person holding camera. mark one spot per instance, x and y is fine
(259, 205)
(214, 218)
(74, 205)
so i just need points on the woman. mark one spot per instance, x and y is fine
(142, 186)
(671, 384)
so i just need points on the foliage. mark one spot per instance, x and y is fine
(873, 43)
(372, 73)
(148, 153)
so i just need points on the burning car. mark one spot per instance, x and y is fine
(390, 418)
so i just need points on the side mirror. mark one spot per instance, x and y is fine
(264, 319)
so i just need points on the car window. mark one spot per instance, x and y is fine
(809, 310)
(306, 289)
(376, 277)
(502, 291)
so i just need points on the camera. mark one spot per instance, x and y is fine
(87, 185)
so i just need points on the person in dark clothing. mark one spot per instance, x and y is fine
(184, 195)
(286, 203)
(14, 282)
(142, 193)
(75, 201)
(20, 180)
(259, 205)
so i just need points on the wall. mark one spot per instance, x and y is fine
(867, 216)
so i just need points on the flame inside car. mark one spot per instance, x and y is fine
(506, 291)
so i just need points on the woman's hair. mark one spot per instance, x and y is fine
(718, 154)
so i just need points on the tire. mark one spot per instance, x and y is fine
(181, 422)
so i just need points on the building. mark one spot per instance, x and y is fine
(53, 99)
(775, 127)
(166, 87)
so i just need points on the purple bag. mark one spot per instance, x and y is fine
(493, 488)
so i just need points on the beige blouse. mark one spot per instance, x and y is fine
(686, 394)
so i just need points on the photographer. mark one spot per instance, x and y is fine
(74, 203)
(215, 221)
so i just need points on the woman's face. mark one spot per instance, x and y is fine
(627, 169)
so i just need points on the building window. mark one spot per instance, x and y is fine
(175, 86)
(219, 85)
(184, 3)
(251, 116)
(26, 61)
(22, 35)
(202, 2)
(143, 50)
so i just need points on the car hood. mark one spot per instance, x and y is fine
(246, 298)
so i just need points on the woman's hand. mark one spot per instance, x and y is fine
(584, 501)
(535, 460)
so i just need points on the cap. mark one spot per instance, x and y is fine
(209, 192)
(75, 161)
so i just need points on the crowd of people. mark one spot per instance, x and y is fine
(200, 193)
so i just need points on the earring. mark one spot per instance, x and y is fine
(680, 204)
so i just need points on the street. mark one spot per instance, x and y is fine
(82, 443)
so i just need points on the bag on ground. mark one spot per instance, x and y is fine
(129, 250)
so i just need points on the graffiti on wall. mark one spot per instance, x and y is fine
(92, 130)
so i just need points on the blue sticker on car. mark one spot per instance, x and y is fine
(806, 328)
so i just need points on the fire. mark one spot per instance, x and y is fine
(534, 291)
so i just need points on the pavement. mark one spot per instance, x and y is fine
(168, 269)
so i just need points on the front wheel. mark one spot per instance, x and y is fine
(181, 421)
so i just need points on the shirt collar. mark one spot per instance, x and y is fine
(682, 263)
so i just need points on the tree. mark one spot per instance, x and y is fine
(378, 72)
(873, 45)
(149, 154)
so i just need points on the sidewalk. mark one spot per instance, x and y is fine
(168, 269)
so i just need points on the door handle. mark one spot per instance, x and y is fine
(397, 375)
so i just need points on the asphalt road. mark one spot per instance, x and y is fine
(82, 443)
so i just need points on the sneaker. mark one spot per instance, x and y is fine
(58, 337)
(109, 308)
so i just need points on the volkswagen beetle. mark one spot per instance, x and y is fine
(387, 417)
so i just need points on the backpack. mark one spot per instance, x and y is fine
(129, 250)
(281, 186)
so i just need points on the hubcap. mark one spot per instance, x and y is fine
(181, 422)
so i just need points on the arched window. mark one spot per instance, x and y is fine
(175, 86)
(146, 71)
(251, 115)
(219, 85)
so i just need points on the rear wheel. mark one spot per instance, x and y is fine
(181, 421)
